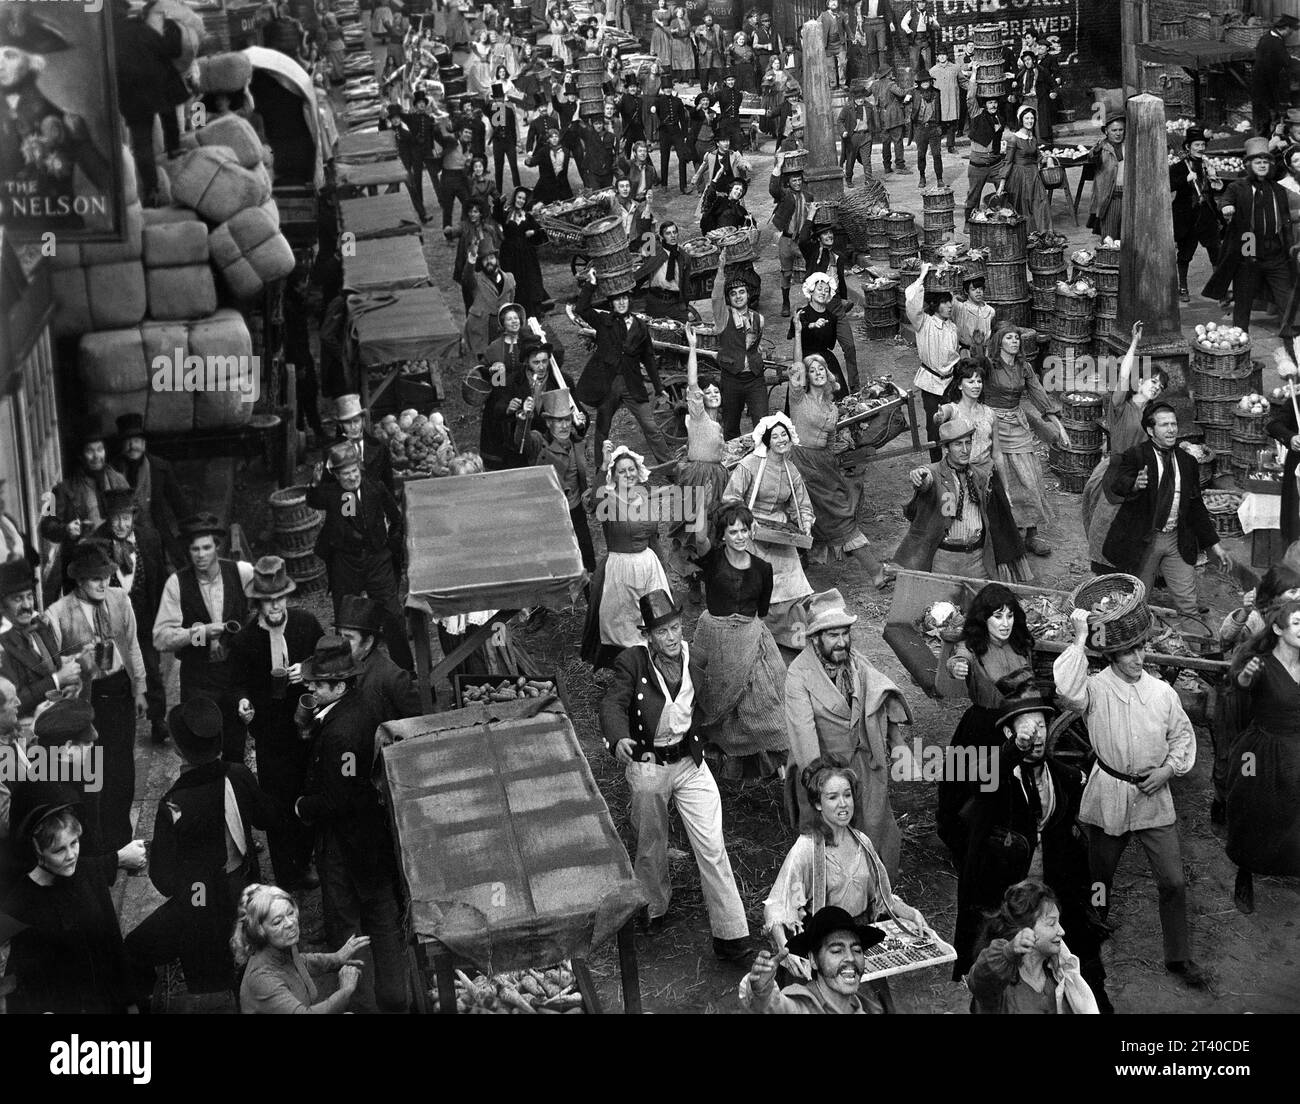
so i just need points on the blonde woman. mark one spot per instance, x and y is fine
(278, 980)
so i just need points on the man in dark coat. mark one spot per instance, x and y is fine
(667, 287)
(390, 693)
(202, 858)
(612, 377)
(376, 460)
(552, 161)
(546, 120)
(1270, 78)
(629, 110)
(362, 542)
(599, 150)
(266, 656)
(651, 727)
(816, 241)
(511, 401)
(355, 854)
(29, 651)
(148, 86)
(1162, 525)
(140, 570)
(555, 440)
(674, 128)
(1037, 798)
(153, 480)
(505, 137)
(1196, 214)
(728, 100)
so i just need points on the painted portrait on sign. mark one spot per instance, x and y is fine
(58, 122)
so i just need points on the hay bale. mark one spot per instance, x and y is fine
(113, 362)
(165, 216)
(97, 253)
(176, 243)
(181, 291)
(249, 251)
(116, 294)
(211, 181)
(233, 131)
(225, 335)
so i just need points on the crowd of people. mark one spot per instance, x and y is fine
(775, 686)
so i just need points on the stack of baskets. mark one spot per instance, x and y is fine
(990, 71)
(606, 245)
(1219, 379)
(880, 310)
(591, 79)
(1249, 438)
(701, 260)
(297, 526)
(878, 234)
(1105, 276)
(937, 216)
(1080, 414)
(1071, 333)
(1117, 610)
(1005, 243)
(904, 241)
(1046, 266)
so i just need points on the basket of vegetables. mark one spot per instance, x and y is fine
(419, 445)
(1117, 609)
(1222, 507)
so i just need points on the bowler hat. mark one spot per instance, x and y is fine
(1030, 703)
(557, 404)
(362, 614)
(658, 608)
(330, 662)
(202, 525)
(66, 721)
(347, 407)
(89, 560)
(827, 611)
(270, 580)
(195, 725)
(118, 500)
(16, 576)
(826, 921)
(130, 424)
(343, 454)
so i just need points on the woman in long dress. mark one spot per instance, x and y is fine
(741, 702)
(1264, 802)
(835, 503)
(1010, 381)
(740, 58)
(823, 323)
(631, 568)
(661, 42)
(768, 482)
(1019, 178)
(521, 236)
(776, 102)
(1124, 426)
(557, 38)
(683, 55)
(965, 396)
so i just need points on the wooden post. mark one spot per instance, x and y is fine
(1131, 33)
(823, 177)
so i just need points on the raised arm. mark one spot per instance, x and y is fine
(1128, 380)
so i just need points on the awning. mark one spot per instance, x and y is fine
(1194, 53)
(294, 77)
(414, 324)
(383, 216)
(373, 145)
(386, 264)
(372, 174)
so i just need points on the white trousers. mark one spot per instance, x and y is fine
(700, 807)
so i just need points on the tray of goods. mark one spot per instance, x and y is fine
(501, 688)
(877, 397)
(1068, 155)
(582, 209)
(1222, 507)
(1224, 167)
(667, 332)
(419, 445)
(904, 950)
(781, 532)
(523, 992)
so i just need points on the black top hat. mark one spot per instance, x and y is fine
(826, 921)
(130, 424)
(1193, 134)
(203, 524)
(69, 720)
(331, 661)
(195, 725)
(25, 31)
(1286, 22)
(118, 500)
(16, 576)
(90, 429)
(362, 614)
(1030, 703)
(657, 609)
(89, 560)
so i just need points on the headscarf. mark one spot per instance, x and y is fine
(770, 422)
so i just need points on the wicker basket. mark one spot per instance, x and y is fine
(1105, 326)
(1044, 299)
(1226, 522)
(581, 211)
(605, 235)
(1049, 259)
(1011, 313)
(298, 540)
(938, 199)
(1215, 411)
(590, 80)
(1047, 280)
(1250, 427)
(1005, 241)
(937, 220)
(794, 161)
(877, 239)
(738, 245)
(987, 36)
(1245, 450)
(1072, 331)
(702, 255)
(613, 262)
(289, 508)
(476, 387)
(1218, 438)
(1106, 256)
(1081, 408)
(1064, 351)
(1107, 305)
(591, 63)
(1029, 343)
(1041, 320)
(1052, 176)
(1125, 621)
(991, 89)
(1073, 459)
(900, 224)
(974, 268)
(1245, 36)
(902, 250)
(1233, 366)
(1106, 280)
(1072, 482)
(616, 282)
(1006, 281)
(1075, 306)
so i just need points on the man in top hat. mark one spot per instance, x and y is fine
(362, 542)
(599, 149)
(649, 724)
(613, 376)
(950, 83)
(546, 120)
(927, 127)
(1197, 220)
(985, 151)
(86, 622)
(728, 100)
(199, 604)
(1037, 797)
(153, 482)
(202, 857)
(140, 570)
(792, 213)
(1108, 184)
(354, 847)
(1270, 78)
(1256, 260)
(29, 650)
(857, 125)
(555, 440)
(951, 531)
(376, 462)
(505, 136)
(937, 348)
(493, 288)
(833, 941)
(266, 658)
(629, 111)
(516, 376)
(839, 708)
(674, 130)
(1162, 525)
(78, 505)
(1141, 738)
(817, 244)
(390, 693)
(973, 317)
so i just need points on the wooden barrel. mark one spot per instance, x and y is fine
(1006, 281)
(606, 235)
(1012, 313)
(1005, 241)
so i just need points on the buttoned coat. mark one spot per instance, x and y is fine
(633, 704)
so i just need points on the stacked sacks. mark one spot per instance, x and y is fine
(223, 73)
(249, 251)
(178, 276)
(211, 181)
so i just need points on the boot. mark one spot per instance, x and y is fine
(785, 302)
(1183, 293)
(1035, 544)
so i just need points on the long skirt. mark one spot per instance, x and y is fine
(1028, 196)
(1099, 512)
(975, 729)
(661, 45)
(787, 614)
(703, 483)
(613, 610)
(741, 702)
(1264, 803)
(835, 502)
(1024, 475)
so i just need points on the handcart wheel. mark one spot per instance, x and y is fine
(1068, 742)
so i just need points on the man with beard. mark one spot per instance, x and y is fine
(266, 681)
(674, 126)
(493, 288)
(156, 489)
(97, 621)
(362, 542)
(376, 461)
(839, 708)
(666, 283)
(516, 375)
(140, 571)
(29, 652)
(78, 506)
(389, 692)
(649, 722)
(559, 446)
(198, 604)
(1197, 220)
(834, 942)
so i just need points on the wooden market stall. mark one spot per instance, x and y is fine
(391, 215)
(400, 341)
(364, 147)
(386, 265)
(369, 177)
(508, 851)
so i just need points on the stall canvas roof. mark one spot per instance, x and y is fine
(386, 264)
(383, 216)
(1194, 53)
(410, 324)
(359, 147)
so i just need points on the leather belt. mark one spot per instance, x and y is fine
(1131, 779)
(945, 546)
(672, 753)
(665, 293)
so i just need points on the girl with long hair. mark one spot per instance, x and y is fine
(521, 235)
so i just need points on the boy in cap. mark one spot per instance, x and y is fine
(202, 857)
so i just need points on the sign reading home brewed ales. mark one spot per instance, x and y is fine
(1055, 22)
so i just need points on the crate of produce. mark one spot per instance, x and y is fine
(469, 689)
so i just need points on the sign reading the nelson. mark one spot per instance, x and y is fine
(59, 141)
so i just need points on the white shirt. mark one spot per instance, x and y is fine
(1046, 792)
(1161, 461)
(937, 344)
(169, 635)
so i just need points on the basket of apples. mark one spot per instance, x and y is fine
(1221, 351)
(420, 445)
(1250, 416)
